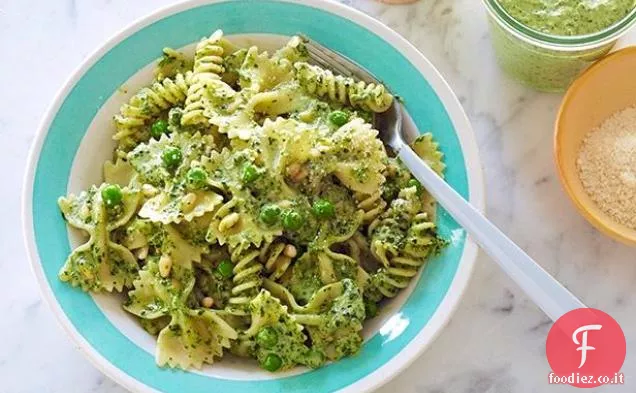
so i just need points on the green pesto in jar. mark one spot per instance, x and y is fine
(568, 17)
(540, 68)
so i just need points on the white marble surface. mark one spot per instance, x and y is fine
(496, 340)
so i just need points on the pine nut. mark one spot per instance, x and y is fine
(290, 251)
(142, 252)
(148, 190)
(207, 302)
(188, 201)
(228, 221)
(165, 265)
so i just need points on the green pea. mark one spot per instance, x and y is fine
(270, 214)
(197, 177)
(416, 184)
(158, 128)
(322, 208)
(292, 220)
(338, 118)
(371, 309)
(272, 362)
(225, 268)
(267, 337)
(250, 173)
(172, 157)
(112, 195)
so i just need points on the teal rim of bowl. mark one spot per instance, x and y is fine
(124, 59)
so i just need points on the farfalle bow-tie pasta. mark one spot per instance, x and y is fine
(250, 207)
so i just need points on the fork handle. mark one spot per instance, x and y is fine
(547, 293)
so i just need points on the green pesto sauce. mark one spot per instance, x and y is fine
(305, 279)
(568, 17)
(338, 334)
(169, 258)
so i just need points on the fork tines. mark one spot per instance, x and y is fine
(336, 62)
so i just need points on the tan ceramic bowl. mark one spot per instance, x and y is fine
(605, 88)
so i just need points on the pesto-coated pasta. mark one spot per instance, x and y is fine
(208, 67)
(134, 117)
(246, 279)
(251, 207)
(325, 83)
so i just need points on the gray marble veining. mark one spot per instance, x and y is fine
(495, 343)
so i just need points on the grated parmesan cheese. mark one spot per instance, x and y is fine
(607, 166)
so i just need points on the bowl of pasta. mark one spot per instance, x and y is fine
(206, 208)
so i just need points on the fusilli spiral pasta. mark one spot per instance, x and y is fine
(208, 67)
(246, 280)
(371, 204)
(277, 258)
(401, 249)
(347, 91)
(148, 103)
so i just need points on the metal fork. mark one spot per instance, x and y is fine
(547, 293)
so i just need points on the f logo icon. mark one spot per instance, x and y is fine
(584, 347)
(586, 342)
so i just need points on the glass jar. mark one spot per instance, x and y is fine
(543, 61)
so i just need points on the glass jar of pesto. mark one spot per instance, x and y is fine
(546, 43)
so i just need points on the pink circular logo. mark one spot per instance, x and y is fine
(586, 348)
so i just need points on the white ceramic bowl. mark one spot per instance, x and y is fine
(74, 140)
